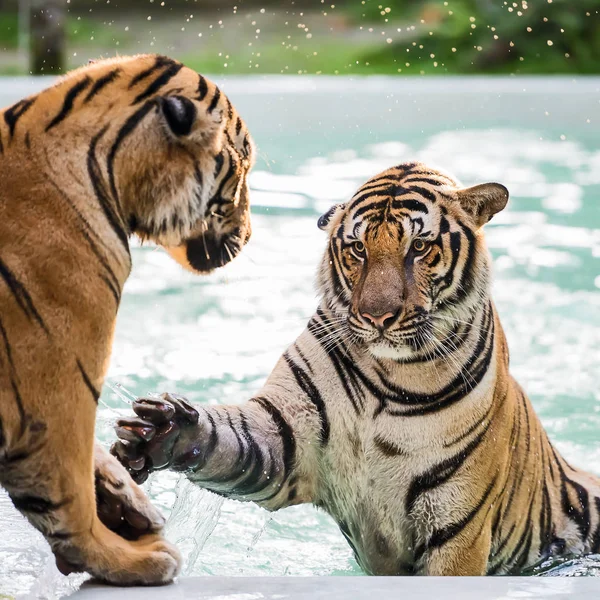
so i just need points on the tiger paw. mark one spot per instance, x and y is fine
(121, 505)
(150, 560)
(164, 434)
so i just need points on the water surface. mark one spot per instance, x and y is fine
(215, 339)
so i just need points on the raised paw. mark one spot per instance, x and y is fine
(158, 437)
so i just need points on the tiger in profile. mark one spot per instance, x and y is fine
(134, 145)
(394, 410)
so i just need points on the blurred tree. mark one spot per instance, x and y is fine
(47, 19)
(548, 36)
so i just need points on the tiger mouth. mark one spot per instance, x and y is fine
(207, 252)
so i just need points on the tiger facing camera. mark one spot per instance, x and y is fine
(394, 411)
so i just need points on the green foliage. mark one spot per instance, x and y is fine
(9, 33)
(483, 36)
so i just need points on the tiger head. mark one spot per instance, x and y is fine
(169, 156)
(406, 259)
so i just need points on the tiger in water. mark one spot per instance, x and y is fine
(133, 145)
(394, 411)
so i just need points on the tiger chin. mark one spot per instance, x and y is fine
(394, 411)
(134, 145)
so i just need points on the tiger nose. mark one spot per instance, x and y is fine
(380, 321)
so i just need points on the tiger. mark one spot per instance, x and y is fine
(138, 145)
(394, 411)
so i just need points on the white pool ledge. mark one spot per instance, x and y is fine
(355, 588)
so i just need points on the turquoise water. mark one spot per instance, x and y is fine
(216, 339)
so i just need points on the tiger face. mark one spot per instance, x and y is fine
(406, 261)
(169, 156)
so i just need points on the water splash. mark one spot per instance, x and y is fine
(569, 566)
(195, 512)
(193, 518)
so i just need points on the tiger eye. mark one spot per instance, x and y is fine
(358, 248)
(419, 245)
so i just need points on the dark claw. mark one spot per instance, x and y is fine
(137, 464)
(65, 567)
(160, 449)
(138, 521)
(124, 452)
(135, 430)
(182, 408)
(109, 511)
(152, 410)
(139, 476)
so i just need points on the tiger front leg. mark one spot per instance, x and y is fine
(464, 554)
(247, 453)
(52, 484)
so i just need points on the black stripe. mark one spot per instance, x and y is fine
(476, 368)
(468, 274)
(95, 393)
(35, 504)
(13, 377)
(440, 473)
(418, 178)
(67, 106)
(21, 295)
(253, 481)
(15, 112)
(159, 63)
(202, 88)
(214, 101)
(595, 546)
(371, 206)
(238, 126)
(345, 376)
(213, 440)
(286, 433)
(60, 535)
(423, 192)
(219, 160)
(114, 290)
(304, 380)
(1, 144)
(86, 230)
(471, 429)
(243, 461)
(382, 187)
(501, 563)
(410, 204)
(102, 83)
(301, 355)
(579, 515)
(441, 536)
(95, 173)
(455, 247)
(387, 448)
(159, 82)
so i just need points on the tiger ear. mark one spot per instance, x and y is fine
(179, 112)
(483, 201)
(325, 218)
(183, 118)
